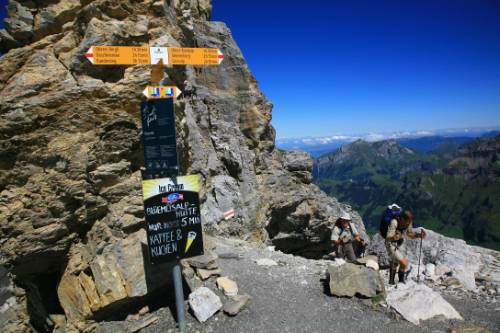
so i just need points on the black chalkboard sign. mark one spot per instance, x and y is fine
(173, 222)
(158, 135)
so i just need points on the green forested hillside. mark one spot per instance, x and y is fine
(457, 194)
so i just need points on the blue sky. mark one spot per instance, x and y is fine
(371, 66)
(361, 66)
(3, 11)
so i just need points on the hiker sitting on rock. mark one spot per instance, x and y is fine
(343, 235)
(398, 227)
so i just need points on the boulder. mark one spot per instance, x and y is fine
(228, 286)
(464, 262)
(204, 303)
(236, 304)
(416, 302)
(301, 223)
(355, 280)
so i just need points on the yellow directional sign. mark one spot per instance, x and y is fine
(194, 56)
(156, 92)
(144, 55)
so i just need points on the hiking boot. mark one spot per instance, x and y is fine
(401, 277)
(392, 275)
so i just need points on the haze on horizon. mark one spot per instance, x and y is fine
(341, 67)
(364, 66)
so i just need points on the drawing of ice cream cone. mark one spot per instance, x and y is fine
(191, 237)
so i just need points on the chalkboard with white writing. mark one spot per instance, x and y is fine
(173, 222)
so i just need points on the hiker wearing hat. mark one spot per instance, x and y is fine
(343, 235)
(397, 229)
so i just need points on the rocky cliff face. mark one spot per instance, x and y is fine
(72, 238)
(477, 158)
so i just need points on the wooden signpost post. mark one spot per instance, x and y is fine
(171, 202)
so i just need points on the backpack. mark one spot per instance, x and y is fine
(392, 212)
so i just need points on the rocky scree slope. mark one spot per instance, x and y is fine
(71, 235)
(291, 294)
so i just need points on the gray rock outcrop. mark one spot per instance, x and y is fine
(70, 157)
(466, 263)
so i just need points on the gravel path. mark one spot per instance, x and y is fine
(291, 297)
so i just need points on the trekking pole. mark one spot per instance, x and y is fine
(419, 256)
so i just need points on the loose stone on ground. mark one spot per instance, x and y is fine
(206, 261)
(416, 302)
(206, 273)
(228, 286)
(236, 304)
(204, 303)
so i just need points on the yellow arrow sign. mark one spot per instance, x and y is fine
(144, 55)
(157, 92)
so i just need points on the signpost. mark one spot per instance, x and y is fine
(144, 55)
(173, 222)
(158, 136)
(171, 202)
(158, 92)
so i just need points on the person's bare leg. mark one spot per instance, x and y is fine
(403, 263)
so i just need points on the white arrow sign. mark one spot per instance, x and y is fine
(90, 55)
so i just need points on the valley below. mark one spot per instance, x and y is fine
(452, 190)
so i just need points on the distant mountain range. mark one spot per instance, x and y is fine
(451, 184)
(422, 141)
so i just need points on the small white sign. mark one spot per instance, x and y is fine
(157, 53)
